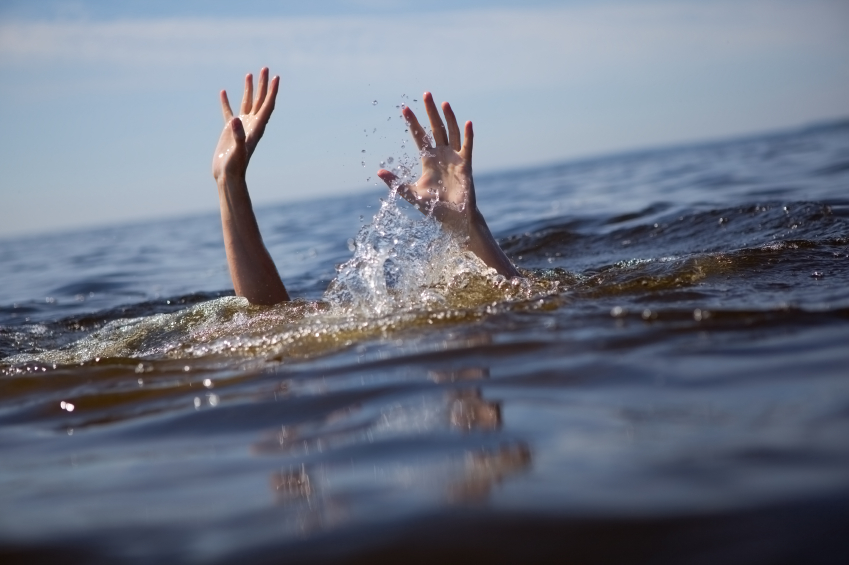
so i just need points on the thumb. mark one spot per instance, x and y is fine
(387, 177)
(404, 190)
(238, 131)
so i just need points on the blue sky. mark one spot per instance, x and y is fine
(111, 114)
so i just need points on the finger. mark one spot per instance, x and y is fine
(262, 89)
(248, 94)
(225, 107)
(453, 128)
(387, 177)
(268, 102)
(416, 130)
(468, 141)
(440, 136)
(403, 189)
(393, 182)
(238, 131)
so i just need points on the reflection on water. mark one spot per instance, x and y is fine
(666, 383)
(319, 496)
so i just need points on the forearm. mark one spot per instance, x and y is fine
(252, 270)
(483, 244)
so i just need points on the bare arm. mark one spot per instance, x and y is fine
(446, 188)
(253, 272)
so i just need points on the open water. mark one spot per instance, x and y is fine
(668, 384)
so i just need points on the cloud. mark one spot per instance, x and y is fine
(496, 48)
(114, 118)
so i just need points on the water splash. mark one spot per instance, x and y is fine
(400, 263)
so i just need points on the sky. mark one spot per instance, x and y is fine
(110, 109)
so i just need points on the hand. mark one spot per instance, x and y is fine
(241, 135)
(446, 188)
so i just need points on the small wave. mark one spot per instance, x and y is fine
(405, 273)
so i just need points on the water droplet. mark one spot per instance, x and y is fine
(213, 400)
(363, 151)
(403, 106)
(374, 102)
(197, 402)
(817, 274)
(207, 383)
(617, 312)
(390, 160)
(363, 163)
(383, 163)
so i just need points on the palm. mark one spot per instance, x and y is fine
(445, 183)
(445, 187)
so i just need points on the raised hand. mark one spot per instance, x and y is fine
(251, 268)
(241, 134)
(446, 187)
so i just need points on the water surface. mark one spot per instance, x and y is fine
(669, 383)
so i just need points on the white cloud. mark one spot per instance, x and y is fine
(498, 48)
(130, 112)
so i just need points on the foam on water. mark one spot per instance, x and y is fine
(405, 272)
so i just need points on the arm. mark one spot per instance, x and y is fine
(251, 268)
(446, 188)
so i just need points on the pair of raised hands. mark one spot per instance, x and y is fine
(445, 188)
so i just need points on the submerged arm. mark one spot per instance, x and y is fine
(251, 268)
(446, 188)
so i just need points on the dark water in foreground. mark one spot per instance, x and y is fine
(669, 384)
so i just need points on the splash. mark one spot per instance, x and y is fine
(401, 263)
(406, 272)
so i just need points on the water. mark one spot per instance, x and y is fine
(670, 383)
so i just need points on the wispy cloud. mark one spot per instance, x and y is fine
(499, 48)
(90, 100)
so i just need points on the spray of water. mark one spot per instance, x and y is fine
(400, 263)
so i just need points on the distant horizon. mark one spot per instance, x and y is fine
(841, 122)
(111, 108)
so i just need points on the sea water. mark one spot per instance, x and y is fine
(667, 382)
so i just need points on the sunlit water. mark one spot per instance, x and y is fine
(669, 382)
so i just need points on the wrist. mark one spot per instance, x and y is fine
(228, 179)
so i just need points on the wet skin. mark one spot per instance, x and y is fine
(445, 189)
